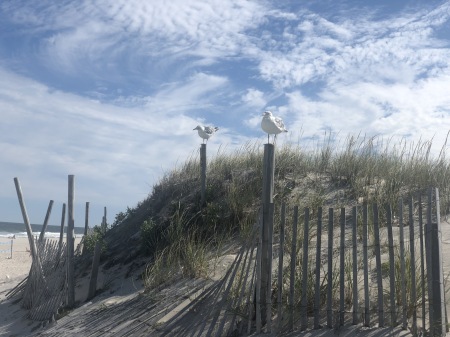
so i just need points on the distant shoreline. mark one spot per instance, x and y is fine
(8, 229)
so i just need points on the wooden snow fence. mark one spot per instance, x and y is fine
(368, 265)
(43, 292)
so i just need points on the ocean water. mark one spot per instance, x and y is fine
(8, 229)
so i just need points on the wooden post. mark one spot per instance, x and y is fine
(86, 219)
(318, 265)
(203, 174)
(438, 328)
(355, 267)
(269, 270)
(413, 264)
(422, 259)
(280, 267)
(330, 269)
(267, 223)
(61, 232)
(94, 270)
(104, 222)
(393, 309)
(366, 267)
(376, 229)
(47, 217)
(342, 269)
(402, 265)
(70, 244)
(304, 299)
(292, 275)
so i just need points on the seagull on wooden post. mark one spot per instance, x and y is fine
(206, 132)
(272, 125)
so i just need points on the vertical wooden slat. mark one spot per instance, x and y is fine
(258, 278)
(428, 259)
(413, 263)
(342, 270)
(392, 309)
(70, 244)
(355, 267)
(422, 260)
(366, 267)
(304, 299)
(94, 270)
(439, 328)
(47, 217)
(402, 264)
(86, 219)
(293, 263)
(317, 271)
(61, 232)
(330, 269)
(280, 268)
(376, 229)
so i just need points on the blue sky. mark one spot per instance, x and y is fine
(110, 91)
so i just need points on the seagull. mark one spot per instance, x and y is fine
(272, 125)
(206, 132)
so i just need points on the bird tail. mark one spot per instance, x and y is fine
(216, 128)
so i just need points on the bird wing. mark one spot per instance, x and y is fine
(210, 130)
(279, 122)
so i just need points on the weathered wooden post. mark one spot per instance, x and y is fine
(47, 217)
(434, 269)
(330, 268)
(104, 223)
(86, 219)
(376, 229)
(61, 232)
(342, 222)
(203, 173)
(70, 245)
(267, 225)
(366, 266)
(355, 266)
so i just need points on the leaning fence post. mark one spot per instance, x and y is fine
(203, 173)
(70, 245)
(86, 219)
(61, 232)
(47, 217)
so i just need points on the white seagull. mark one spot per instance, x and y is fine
(206, 132)
(272, 125)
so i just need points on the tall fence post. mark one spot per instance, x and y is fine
(267, 223)
(86, 219)
(47, 217)
(61, 232)
(70, 244)
(203, 173)
(436, 276)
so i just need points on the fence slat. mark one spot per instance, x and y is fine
(393, 309)
(402, 264)
(342, 269)
(293, 263)
(330, 269)
(422, 259)
(355, 266)
(376, 229)
(412, 263)
(317, 270)
(303, 302)
(366, 267)
(280, 268)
